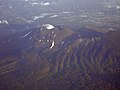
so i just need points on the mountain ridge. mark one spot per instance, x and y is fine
(78, 59)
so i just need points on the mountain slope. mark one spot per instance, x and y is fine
(55, 57)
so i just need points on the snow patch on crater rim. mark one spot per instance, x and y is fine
(48, 26)
(53, 44)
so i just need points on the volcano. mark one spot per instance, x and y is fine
(59, 58)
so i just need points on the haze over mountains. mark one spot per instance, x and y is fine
(59, 45)
(61, 12)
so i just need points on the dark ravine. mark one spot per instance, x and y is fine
(60, 59)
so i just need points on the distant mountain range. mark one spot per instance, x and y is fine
(34, 11)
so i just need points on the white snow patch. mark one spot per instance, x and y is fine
(30, 21)
(30, 38)
(54, 16)
(34, 3)
(53, 44)
(48, 40)
(48, 26)
(53, 32)
(37, 17)
(43, 15)
(26, 34)
(45, 4)
(117, 7)
(54, 36)
(19, 37)
(93, 40)
(112, 29)
(4, 22)
(65, 12)
(40, 41)
(62, 43)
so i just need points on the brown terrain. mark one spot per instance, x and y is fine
(60, 59)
